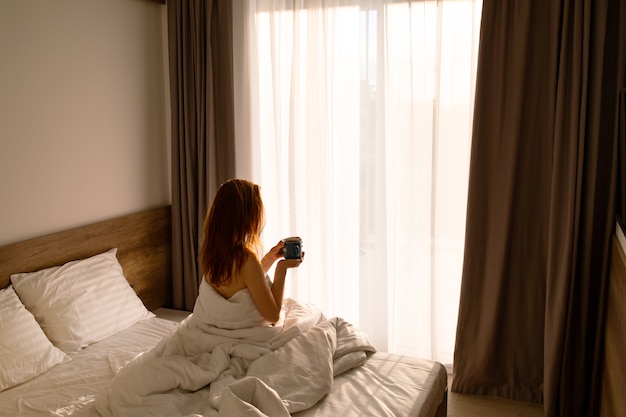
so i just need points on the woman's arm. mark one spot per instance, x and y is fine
(268, 301)
(278, 285)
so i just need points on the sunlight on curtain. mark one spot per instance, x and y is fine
(357, 119)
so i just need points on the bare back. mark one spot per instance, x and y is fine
(267, 295)
(237, 282)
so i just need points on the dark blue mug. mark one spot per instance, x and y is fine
(292, 248)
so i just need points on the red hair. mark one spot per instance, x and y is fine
(232, 229)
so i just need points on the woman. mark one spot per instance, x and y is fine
(229, 259)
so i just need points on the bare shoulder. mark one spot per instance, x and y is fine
(252, 269)
(240, 279)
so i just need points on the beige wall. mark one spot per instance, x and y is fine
(83, 113)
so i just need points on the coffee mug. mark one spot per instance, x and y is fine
(292, 248)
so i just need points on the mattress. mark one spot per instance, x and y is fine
(386, 385)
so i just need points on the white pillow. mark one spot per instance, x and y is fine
(25, 351)
(81, 302)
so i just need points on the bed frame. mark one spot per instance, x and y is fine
(143, 242)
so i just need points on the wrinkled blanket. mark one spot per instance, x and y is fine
(204, 370)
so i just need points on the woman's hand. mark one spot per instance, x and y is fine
(272, 256)
(290, 263)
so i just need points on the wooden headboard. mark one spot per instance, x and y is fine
(143, 242)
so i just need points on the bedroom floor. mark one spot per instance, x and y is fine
(462, 405)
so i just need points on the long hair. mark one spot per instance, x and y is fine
(232, 229)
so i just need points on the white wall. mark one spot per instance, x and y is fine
(84, 120)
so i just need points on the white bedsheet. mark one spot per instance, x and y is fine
(254, 371)
(70, 389)
(387, 385)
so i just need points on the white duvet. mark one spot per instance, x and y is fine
(202, 369)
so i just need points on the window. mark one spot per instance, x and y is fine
(357, 119)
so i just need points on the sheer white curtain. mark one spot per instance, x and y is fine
(355, 119)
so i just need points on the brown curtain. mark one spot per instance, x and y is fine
(201, 89)
(540, 206)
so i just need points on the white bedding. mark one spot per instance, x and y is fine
(70, 389)
(273, 370)
(386, 385)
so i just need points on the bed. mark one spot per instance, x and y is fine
(84, 309)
